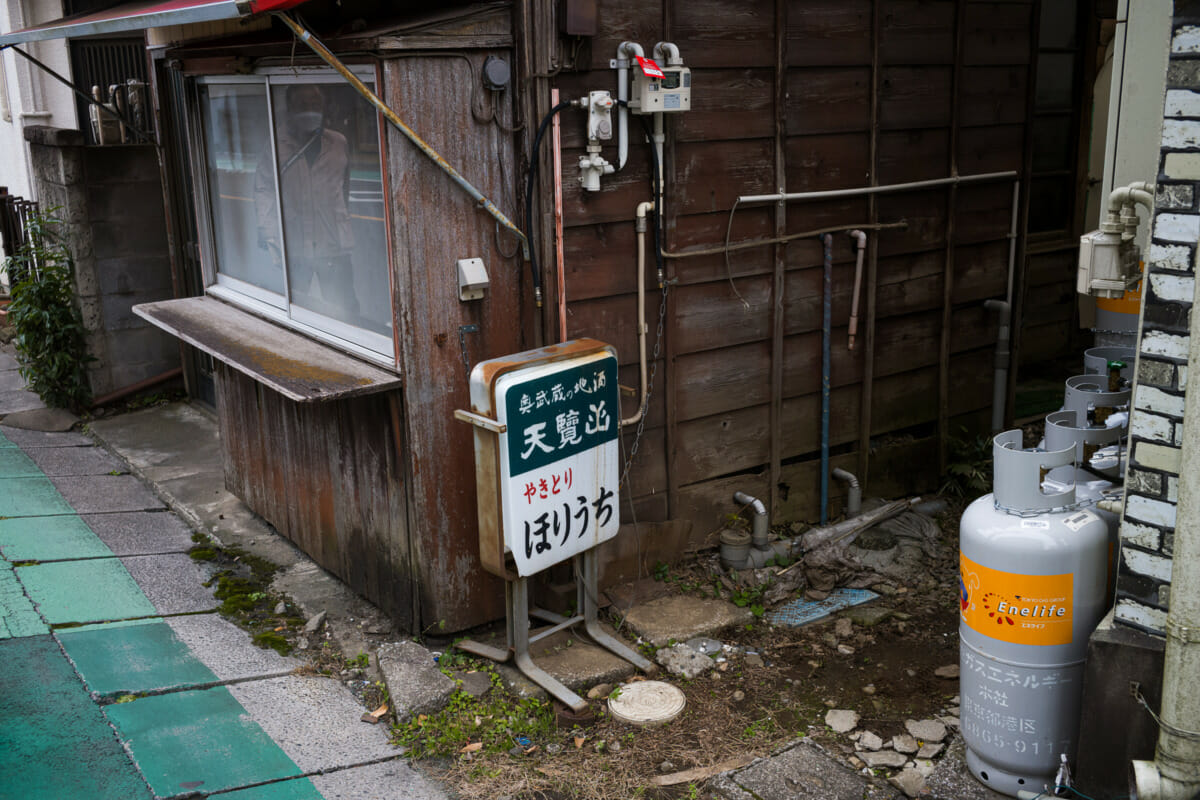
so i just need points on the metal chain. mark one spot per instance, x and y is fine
(641, 426)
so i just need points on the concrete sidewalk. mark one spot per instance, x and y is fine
(121, 681)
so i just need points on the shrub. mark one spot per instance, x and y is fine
(49, 328)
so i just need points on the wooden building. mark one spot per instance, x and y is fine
(358, 459)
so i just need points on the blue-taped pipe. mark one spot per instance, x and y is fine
(826, 364)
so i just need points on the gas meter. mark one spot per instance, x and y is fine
(660, 89)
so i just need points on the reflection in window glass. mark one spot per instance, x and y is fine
(328, 166)
(236, 134)
(1055, 80)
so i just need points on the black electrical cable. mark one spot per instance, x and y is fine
(656, 188)
(534, 272)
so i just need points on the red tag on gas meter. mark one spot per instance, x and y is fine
(649, 68)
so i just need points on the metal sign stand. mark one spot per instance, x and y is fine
(519, 611)
(552, 489)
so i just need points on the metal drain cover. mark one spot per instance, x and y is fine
(647, 703)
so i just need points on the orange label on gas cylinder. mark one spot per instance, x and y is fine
(1015, 608)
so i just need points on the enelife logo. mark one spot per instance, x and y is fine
(1020, 609)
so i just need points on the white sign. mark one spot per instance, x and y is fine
(559, 459)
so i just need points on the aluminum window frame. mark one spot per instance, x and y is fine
(281, 309)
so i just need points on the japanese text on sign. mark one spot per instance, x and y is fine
(559, 459)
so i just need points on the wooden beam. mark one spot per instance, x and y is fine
(779, 290)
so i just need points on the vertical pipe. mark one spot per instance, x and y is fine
(556, 141)
(826, 365)
(868, 380)
(946, 345)
(778, 317)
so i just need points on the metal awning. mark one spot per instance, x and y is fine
(141, 14)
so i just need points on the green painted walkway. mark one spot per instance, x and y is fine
(99, 698)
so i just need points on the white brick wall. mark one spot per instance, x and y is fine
(1152, 427)
(1155, 512)
(1169, 256)
(1173, 288)
(1148, 398)
(1143, 563)
(1179, 227)
(1140, 615)
(1157, 343)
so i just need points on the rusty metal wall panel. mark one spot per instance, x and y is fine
(435, 224)
(328, 476)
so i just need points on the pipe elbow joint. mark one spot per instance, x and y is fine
(670, 51)
(860, 237)
(997, 305)
(627, 49)
(750, 500)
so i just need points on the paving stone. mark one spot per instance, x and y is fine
(909, 781)
(476, 684)
(104, 493)
(883, 758)
(684, 661)
(227, 650)
(868, 615)
(138, 533)
(129, 659)
(18, 400)
(62, 461)
(369, 781)
(50, 420)
(315, 720)
(682, 617)
(805, 771)
(59, 538)
(905, 744)
(26, 438)
(929, 730)
(197, 741)
(97, 590)
(18, 617)
(930, 750)
(8, 361)
(841, 720)
(54, 741)
(414, 682)
(870, 741)
(174, 582)
(31, 497)
(11, 381)
(15, 464)
(292, 789)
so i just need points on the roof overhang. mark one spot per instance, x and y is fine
(141, 14)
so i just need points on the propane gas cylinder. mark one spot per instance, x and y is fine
(1032, 587)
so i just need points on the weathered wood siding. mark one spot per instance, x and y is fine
(330, 477)
(946, 86)
(435, 223)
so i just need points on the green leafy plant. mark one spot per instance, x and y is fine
(49, 329)
(969, 466)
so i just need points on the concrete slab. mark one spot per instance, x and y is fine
(381, 781)
(98, 590)
(102, 493)
(172, 582)
(54, 742)
(59, 538)
(952, 781)
(192, 480)
(579, 665)
(15, 401)
(227, 649)
(415, 684)
(18, 617)
(11, 380)
(805, 771)
(31, 497)
(681, 617)
(7, 359)
(192, 741)
(292, 789)
(315, 720)
(62, 461)
(129, 659)
(15, 464)
(137, 533)
(24, 438)
(43, 419)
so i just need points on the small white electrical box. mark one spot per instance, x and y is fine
(472, 279)
(670, 93)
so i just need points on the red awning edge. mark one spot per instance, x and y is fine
(141, 14)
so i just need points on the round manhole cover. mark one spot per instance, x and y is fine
(647, 703)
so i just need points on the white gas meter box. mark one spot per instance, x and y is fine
(472, 279)
(546, 454)
(660, 89)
